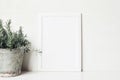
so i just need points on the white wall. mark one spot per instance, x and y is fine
(100, 21)
(102, 36)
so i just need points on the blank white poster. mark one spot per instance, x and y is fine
(61, 43)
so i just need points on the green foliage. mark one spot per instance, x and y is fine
(12, 40)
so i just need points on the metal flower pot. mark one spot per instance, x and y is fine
(10, 62)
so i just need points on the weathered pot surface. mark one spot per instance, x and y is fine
(10, 62)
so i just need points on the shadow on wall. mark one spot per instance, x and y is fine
(30, 62)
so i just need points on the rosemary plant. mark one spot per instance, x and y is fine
(12, 40)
